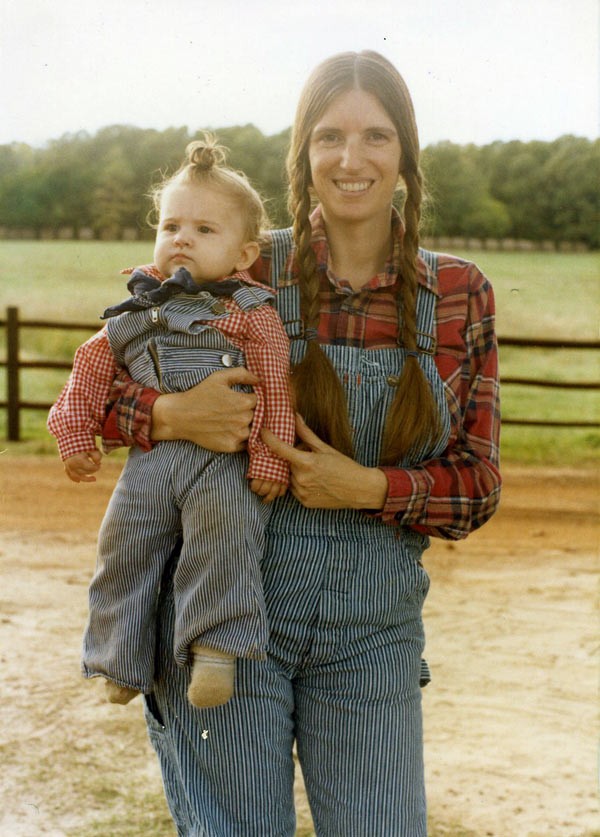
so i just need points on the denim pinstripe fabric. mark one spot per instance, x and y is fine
(167, 348)
(218, 585)
(344, 596)
(176, 486)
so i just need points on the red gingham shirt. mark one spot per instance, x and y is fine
(449, 496)
(79, 413)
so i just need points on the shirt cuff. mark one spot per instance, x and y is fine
(407, 497)
(130, 421)
(272, 468)
(74, 443)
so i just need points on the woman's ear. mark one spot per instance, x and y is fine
(248, 255)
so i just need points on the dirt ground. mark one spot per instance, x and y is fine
(511, 716)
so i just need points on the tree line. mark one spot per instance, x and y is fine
(539, 191)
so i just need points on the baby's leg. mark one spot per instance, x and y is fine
(137, 536)
(220, 611)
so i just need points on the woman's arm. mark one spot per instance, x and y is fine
(446, 498)
(212, 414)
(451, 496)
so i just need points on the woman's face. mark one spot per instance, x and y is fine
(354, 156)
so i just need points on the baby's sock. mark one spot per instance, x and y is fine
(213, 676)
(119, 694)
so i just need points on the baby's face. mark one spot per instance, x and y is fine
(202, 229)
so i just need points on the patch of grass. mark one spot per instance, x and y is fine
(563, 365)
(531, 402)
(543, 294)
(577, 447)
(68, 280)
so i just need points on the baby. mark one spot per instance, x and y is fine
(192, 312)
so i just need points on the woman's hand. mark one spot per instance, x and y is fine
(323, 478)
(211, 414)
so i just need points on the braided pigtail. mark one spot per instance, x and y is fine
(319, 395)
(413, 418)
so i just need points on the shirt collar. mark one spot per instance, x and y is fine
(242, 275)
(425, 275)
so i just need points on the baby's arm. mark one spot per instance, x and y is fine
(81, 466)
(78, 414)
(267, 357)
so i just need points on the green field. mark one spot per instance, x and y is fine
(538, 295)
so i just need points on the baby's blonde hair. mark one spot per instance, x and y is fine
(205, 164)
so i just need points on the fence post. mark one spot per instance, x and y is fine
(12, 373)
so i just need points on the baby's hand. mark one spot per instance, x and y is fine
(267, 489)
(81, 466)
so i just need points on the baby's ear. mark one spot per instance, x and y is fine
(248, 255)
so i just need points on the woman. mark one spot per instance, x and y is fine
(395, 375)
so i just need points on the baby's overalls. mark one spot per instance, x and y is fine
(344, 595)
(177, 487)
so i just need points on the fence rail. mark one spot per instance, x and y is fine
(14, 404)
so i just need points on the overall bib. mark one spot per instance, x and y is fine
(344, 595)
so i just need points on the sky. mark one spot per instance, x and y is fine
(478, 70)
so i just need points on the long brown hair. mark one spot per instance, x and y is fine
(413, 417)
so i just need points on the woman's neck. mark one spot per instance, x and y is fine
(357, 252)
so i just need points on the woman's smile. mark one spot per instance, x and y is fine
(352, 186)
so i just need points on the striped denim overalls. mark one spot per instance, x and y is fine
(344, 595)
(177, 487)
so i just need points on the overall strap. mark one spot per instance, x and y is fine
(430, 258)
(426, 304)
(249, 297)
(288, 297)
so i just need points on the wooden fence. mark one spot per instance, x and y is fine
(13, 363)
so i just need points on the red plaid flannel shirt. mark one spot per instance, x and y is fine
(79, 413)
(447, 497)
